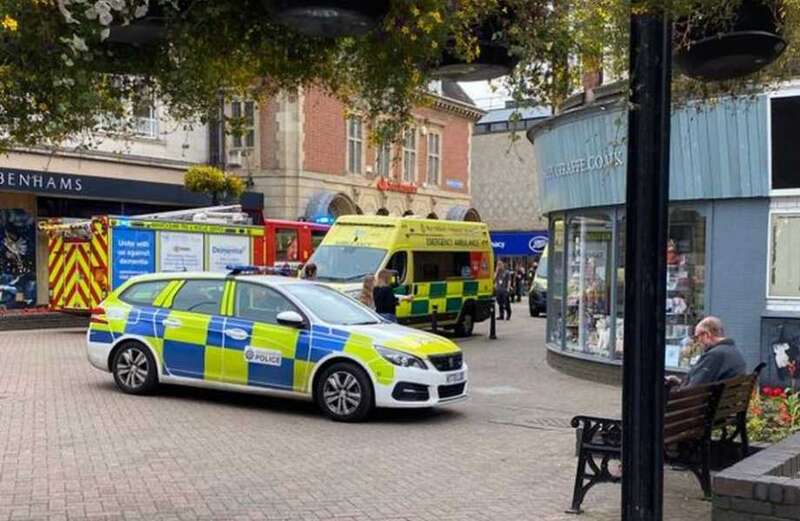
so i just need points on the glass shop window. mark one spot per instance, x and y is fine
(588, 305)
(785, 113)
(555, 284)
(784, 267)
(685, 306)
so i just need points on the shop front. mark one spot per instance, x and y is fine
(27, 196)
(717, 238)
(519, 249)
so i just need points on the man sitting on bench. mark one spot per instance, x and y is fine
(720, 360)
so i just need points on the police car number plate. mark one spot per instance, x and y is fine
(455, 377)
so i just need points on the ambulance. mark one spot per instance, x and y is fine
(446, 266)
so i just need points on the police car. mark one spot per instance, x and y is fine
(267, 334)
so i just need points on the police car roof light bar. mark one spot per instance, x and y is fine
(234, 269)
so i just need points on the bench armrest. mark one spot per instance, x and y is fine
(598, 432)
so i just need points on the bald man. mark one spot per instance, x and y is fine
(720, 360)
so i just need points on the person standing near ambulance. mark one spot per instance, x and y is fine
(385, 299)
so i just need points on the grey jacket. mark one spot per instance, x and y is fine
(719, 362)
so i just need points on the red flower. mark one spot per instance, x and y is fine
(766, 390)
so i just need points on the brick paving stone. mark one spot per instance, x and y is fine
(72, 447)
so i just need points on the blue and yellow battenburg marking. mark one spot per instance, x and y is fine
(259, 354)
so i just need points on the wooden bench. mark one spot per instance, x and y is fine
(691, 415)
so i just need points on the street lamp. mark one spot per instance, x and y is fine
(647, 197)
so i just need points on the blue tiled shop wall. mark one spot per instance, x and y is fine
(738, 265)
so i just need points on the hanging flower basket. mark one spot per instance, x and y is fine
(747, 43)
(493, 59)
(329, 18)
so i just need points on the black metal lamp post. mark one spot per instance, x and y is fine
(749, 45)
(645, 265)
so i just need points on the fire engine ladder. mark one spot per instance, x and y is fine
(231, 214)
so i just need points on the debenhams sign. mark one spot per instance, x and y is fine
(40, 182)
(612, 157)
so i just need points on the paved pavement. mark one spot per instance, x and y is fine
(73, 447)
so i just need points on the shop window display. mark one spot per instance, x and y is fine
(587, 326)
(685, 285)
(593, 320)
(555, 293)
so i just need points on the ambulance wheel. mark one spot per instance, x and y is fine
(134, 369)
(466, 325)
(344, 392)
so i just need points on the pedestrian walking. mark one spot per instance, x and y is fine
(520, 282)
(366, 296)
(385, 299)
(502, 283)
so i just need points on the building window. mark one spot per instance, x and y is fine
(355, 143)
(383, 161)
(588, 306)
(145, 122)
(410, 156)
(434, 158)
(784, 250)
(586, 303)
(243, 114)
(784, 114)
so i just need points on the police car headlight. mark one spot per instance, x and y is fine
(400, 358)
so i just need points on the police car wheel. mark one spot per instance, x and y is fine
(344, 392)
(134, 369)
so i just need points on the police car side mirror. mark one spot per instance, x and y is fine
(291, 319)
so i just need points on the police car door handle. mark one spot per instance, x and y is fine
(236, 333)
(171, 322)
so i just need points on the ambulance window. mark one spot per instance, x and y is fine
(260, 303)
(199, 296)
(144, 293)
(286, 246)
(398, 264)
(431, 266)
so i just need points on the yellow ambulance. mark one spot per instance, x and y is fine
(446, 266)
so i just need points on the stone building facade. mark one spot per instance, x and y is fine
(505, 189)
(311, 161)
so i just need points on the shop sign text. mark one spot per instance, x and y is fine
(54, 183)
(613, 157)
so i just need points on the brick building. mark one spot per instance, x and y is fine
(312, 161)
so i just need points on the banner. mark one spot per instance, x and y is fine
(227, 250)
(132, 253)
(180, 251)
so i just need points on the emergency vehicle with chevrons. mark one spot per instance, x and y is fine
(445, 266)
(82, 253)
(273, 335)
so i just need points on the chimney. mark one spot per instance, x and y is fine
(592, 77)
